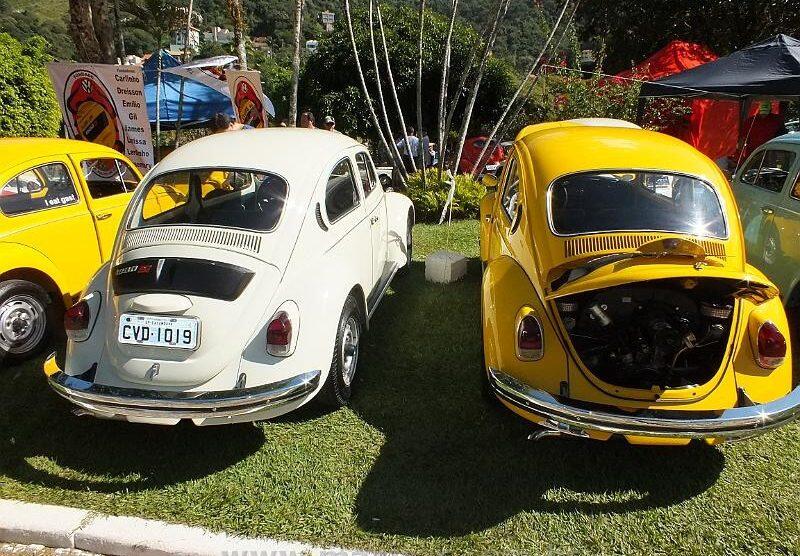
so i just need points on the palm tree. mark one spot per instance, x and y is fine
(502, 8)
(392, 145)
(298, 23)
(392, 86)
(443, 90)
(237, 18)
(91, 31)
(420, 150)
(534, 67)
(363, 82)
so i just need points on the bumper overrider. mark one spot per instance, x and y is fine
(731, 424)
(109, 401)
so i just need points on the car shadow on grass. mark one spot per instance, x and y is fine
(454, 463)
(43, 443)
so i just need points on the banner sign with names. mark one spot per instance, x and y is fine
(247, 97)
(105, 104)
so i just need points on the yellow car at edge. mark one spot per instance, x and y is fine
(61, 202)
(616, 298)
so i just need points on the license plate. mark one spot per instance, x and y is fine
(148, 330)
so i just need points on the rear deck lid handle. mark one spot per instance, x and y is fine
(159, 303)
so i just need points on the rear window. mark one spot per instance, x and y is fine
(213, 197)
(623, 200)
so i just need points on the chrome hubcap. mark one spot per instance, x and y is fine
(22, 323)
(349, 355)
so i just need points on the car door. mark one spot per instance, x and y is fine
(760, 190)
(375, 208)
(109, 184)
(507, 211)
(345, 216)
(785, 244)
(45, 211)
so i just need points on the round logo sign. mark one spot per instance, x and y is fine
(92, 115)
(249, 107)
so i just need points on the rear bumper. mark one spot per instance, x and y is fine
(731, 424)
(133, 403)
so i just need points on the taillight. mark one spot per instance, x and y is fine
(771, 346)
(530, 343)
(76, 321)
(279, 335)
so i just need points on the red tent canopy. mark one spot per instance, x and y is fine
(713, 125)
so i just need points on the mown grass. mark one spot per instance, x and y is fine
(421, 463)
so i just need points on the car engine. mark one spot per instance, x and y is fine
(666, 333)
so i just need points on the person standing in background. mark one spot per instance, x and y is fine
(307, 120)
(408, 143)
(426, 147)
(329, 124)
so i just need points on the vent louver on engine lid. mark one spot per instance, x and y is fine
(576, 247)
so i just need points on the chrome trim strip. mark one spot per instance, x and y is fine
(113, 401)
(731, 424)
(384, 287)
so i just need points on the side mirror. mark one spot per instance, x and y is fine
(489, 181)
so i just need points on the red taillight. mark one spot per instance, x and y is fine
(76, 321)
(771, 346)
(279, 335)
(530, 345)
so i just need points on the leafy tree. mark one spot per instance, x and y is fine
(28, 105)
(632, 29)
(24, 23)
(330, 84)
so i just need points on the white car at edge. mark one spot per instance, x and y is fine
(244, 275)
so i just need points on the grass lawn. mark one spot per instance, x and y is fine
(421, 463)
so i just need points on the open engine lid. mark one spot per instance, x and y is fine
(748, 283)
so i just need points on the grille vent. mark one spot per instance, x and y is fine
(597, 244)
(232, 239)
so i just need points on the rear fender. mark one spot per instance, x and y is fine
(16, 256)
(398, 207)
(82, 355)
(506, 292)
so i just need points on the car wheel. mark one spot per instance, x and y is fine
(339, 384)
(25, 322)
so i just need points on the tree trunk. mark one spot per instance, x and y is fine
(530, 73)
(502, 8)
(420, 149)
(364, 89)
(393, 88)
(298, 24)
(398, 160)
(87, 48)
(120, 37)
(186, 46)
(237, 18)
(443, 90)
(103, 30)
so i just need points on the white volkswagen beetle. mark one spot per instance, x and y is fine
(244, 275)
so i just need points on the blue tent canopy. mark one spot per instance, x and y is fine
(200, 103)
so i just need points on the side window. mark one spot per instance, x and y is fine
(366, 173)
(796, 187)
(770, 170)
(510, 198)
(107, 176)
(46, 186)
(341, 195)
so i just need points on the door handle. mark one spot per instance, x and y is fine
(374, 219)
(767, 210)
(104, 216)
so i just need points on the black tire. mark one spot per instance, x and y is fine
(338, 386)
(27, 320)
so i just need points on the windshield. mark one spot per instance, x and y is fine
(213, 197)
(635, 201)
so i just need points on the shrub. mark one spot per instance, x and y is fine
(28, 105)
(429, 202)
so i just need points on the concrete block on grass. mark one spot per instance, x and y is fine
(445, 267)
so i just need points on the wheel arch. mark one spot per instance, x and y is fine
(40, 278)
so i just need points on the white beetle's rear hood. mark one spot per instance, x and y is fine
(228, 315)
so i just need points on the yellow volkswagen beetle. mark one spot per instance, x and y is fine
(616, 298)
(60, 206)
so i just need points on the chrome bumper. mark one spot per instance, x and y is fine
(111, 401)
(731, 424)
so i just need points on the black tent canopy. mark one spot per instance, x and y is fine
(767, 69)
